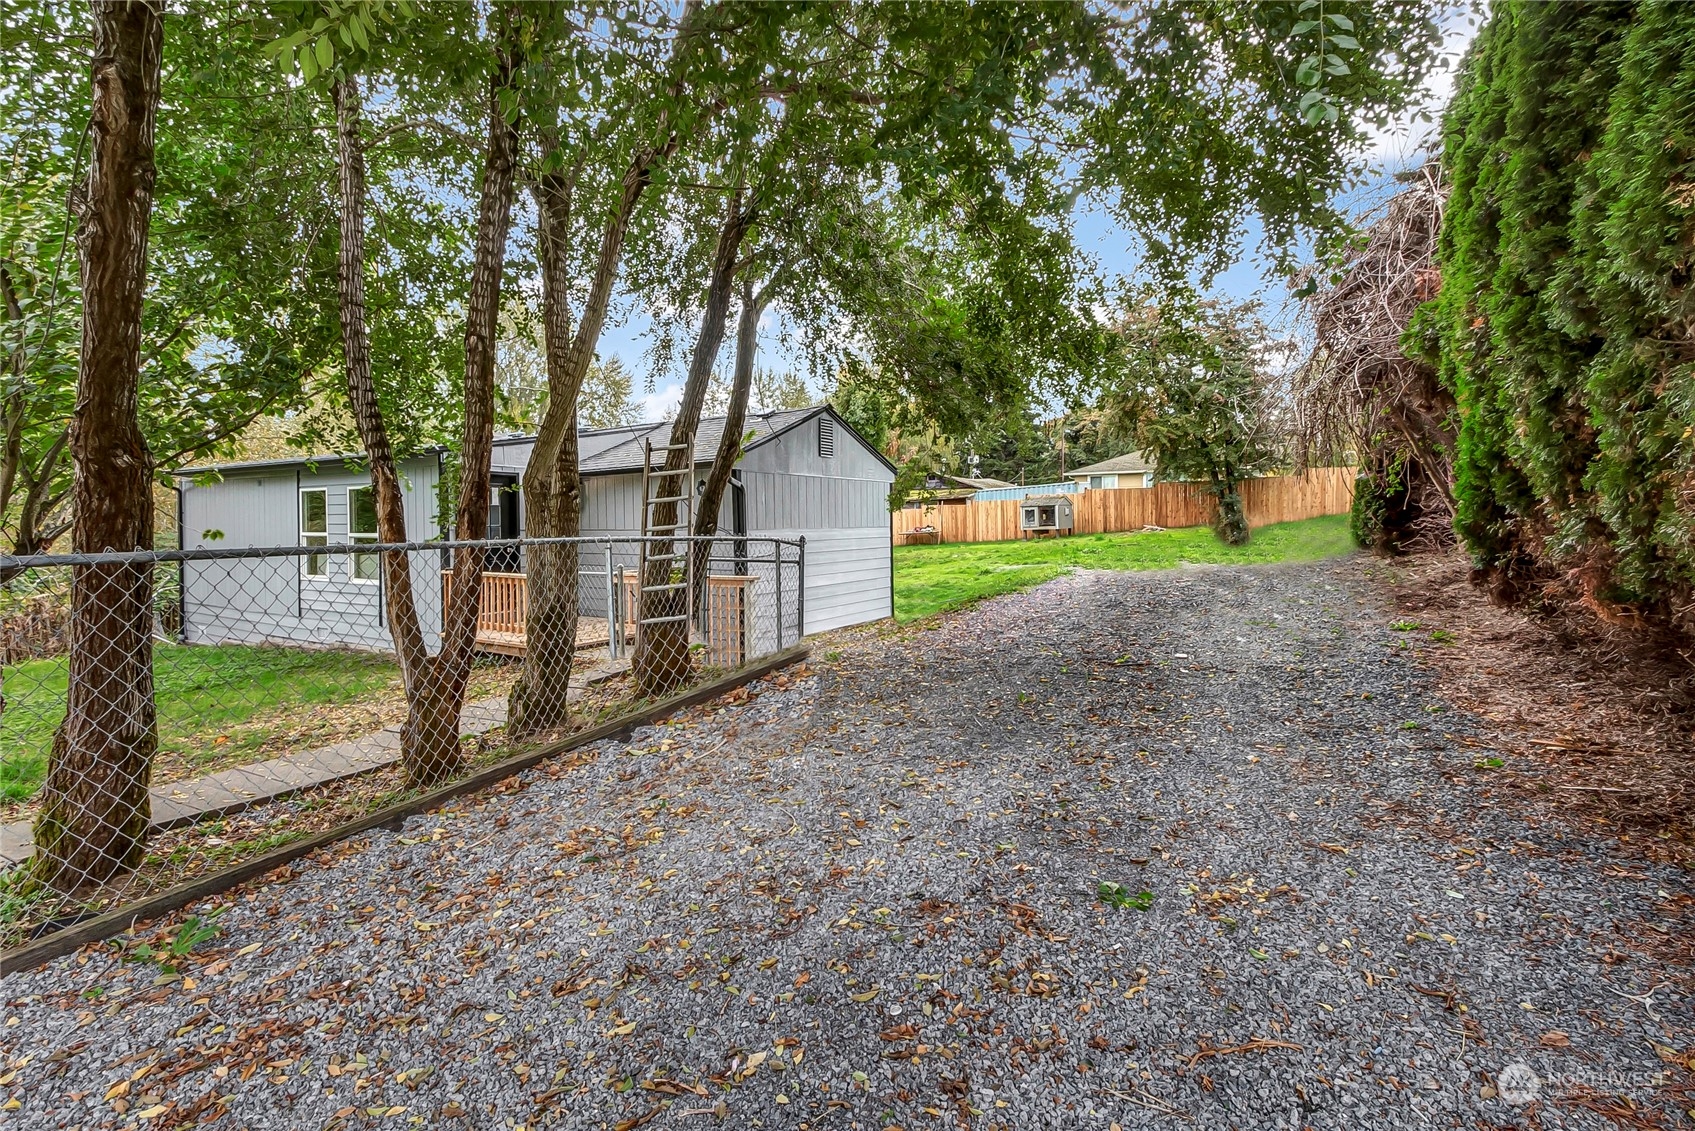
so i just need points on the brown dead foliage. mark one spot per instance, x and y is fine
(1598, 717)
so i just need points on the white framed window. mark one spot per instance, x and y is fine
(1095, 482)
(362, 527)
(314, 530)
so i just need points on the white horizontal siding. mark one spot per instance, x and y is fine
(847, 576)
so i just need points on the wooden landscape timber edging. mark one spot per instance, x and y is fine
(1116, 510)
(120, 919)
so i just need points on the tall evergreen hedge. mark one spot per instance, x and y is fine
(1566, 320)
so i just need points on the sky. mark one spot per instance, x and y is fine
(1390, 151)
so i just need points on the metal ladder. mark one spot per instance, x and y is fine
(659, 487)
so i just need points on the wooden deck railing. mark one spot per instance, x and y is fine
(500, 618)
(505, 607)
(729, 616)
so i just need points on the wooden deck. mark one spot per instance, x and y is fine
(505, 608)
(500, 618)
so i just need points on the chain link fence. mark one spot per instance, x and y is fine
(168, 713)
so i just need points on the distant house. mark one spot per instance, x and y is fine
(1132, 469)
(976, 484)
(950, 489)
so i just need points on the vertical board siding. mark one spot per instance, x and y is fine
(838, 503)
(1284, 498)
(259, 600)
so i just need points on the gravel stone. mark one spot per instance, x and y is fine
(869, 897)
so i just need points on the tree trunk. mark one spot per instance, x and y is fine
(429, 739)
(96, 811)
(662, 661)
(361, 391)
(12, 417)
(552, 486)
(1231, 522)
(729, 444)
(435, 685)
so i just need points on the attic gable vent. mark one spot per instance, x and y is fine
(826, 438)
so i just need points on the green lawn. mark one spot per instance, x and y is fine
(240, 694)
(930, 579)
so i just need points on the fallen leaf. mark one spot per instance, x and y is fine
(1556, 1039)
(636, 1121)
(673, 1087)
(867, 995)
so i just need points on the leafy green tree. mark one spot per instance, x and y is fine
(607, 399)
(621, 104)
(1564, 257)
(865, 408)
(446, 50)
(1627, 285)
(234, 323)
(1197, 398)
(767, 390)
(1017, 448)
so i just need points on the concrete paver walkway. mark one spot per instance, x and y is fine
(229, 791)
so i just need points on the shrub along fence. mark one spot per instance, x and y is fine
(1282, 498)
(237, 700)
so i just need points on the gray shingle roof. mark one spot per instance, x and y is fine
(627, 454)
(605, 451)
(1128, 462)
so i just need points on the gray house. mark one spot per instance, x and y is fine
(803, 472)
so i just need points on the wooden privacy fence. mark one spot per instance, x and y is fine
(1282, 498)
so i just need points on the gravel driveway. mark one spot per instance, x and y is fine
(869, 897)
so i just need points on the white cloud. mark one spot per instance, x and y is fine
(661, 404)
